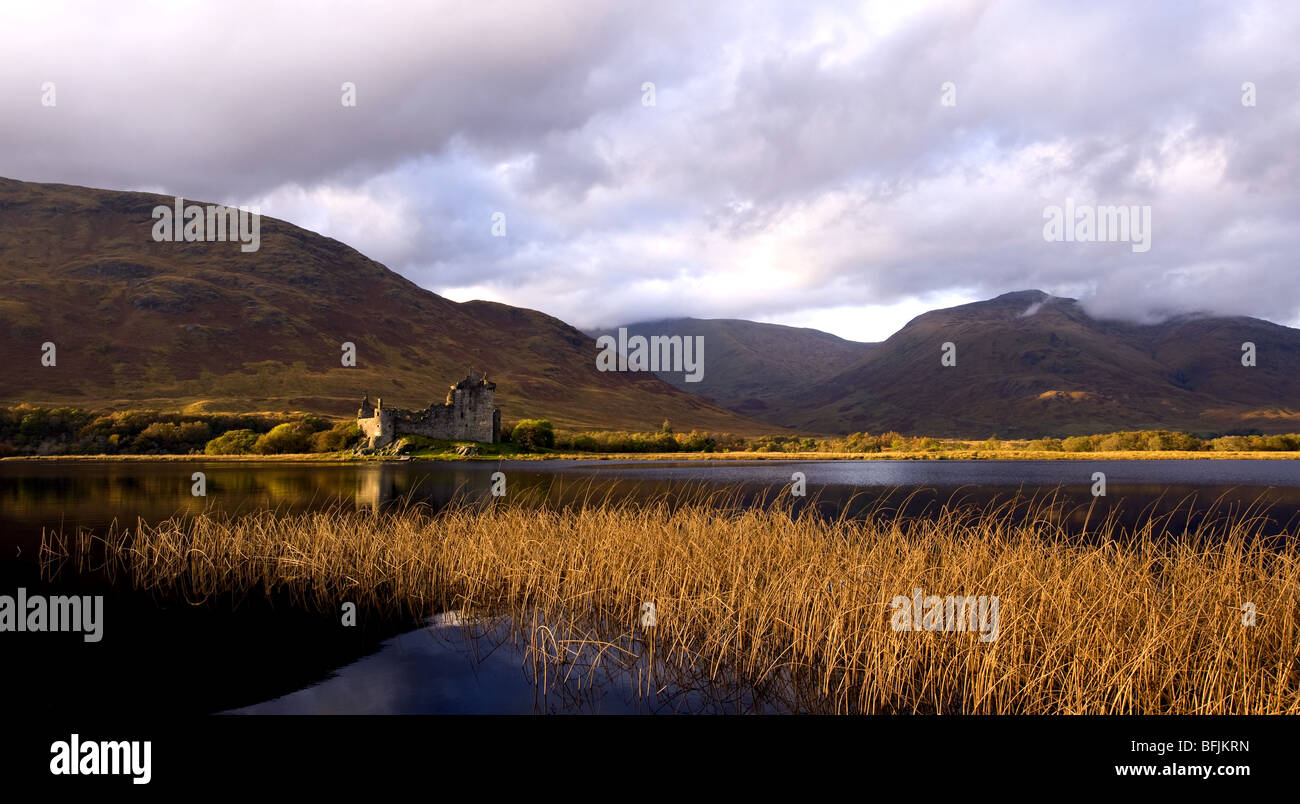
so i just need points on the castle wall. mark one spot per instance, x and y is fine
(474, 413)
(469, 414)
(379, 428)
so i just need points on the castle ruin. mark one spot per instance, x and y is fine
(469, 414)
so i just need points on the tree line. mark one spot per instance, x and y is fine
(29, 430)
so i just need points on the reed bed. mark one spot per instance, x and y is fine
(1112, 620)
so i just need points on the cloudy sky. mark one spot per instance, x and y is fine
(798, 163)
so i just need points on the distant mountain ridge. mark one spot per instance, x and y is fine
(746, 364)
(1029, 364)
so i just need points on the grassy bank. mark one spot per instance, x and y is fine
(1119, 622)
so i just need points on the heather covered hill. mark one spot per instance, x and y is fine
(139, 323)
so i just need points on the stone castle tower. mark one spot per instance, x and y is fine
(469, 414)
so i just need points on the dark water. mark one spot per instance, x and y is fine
(68, 495)
(255, 653)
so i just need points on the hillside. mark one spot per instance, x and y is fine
(1029, 364)
(139, 323)
(747, 363)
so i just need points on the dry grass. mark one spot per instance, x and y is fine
(1110, 622)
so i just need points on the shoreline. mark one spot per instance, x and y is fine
(974, 455)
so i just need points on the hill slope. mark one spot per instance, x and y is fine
(162, 324)
(1029, 364)
(747, 363)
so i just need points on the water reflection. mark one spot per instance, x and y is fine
(489, 665)
(69, 495)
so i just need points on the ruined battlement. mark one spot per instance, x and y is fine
(468, 414)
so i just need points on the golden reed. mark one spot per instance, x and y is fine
(1114, 620)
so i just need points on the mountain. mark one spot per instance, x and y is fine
(139, 323)
(748, 363)
(1029, 364)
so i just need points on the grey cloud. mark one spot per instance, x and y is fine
(797, 156)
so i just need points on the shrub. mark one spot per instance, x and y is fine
(697, 442)
(231, 442)
(336, 439)
(287, 437)
(193, 435)
(158, 437)
(1110, 443)
(863, 442)
(532, 434)
(781, 443)
(654, 442)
